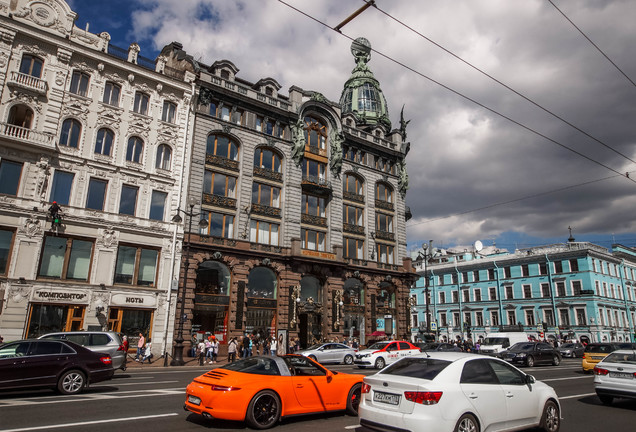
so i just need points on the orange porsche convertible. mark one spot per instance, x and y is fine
(260, 390)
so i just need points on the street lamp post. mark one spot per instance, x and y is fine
(177, 353)
(425, 256)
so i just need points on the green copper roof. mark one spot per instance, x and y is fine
(362, 94)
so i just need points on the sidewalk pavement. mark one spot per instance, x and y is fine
(159, 362)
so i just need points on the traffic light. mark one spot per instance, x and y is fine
(54, 214)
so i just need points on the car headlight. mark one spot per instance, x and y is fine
(365, 355)
(521, 354)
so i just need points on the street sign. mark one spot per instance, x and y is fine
(433, 325)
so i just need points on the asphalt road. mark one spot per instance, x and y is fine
(151, 399)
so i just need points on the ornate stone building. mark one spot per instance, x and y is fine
(104, 132)
(302, 204)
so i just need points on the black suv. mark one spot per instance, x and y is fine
(532, 353)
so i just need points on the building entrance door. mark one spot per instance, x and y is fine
(309, 329)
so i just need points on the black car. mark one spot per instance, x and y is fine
(62, 365)
(532, 353)
(437, 346)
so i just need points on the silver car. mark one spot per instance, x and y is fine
(330, 353)
(108, 342)
(615, 376)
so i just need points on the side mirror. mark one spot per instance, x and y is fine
(321, 349)
(329, 375)
(530, 379)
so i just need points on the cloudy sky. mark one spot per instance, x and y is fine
(515, 162)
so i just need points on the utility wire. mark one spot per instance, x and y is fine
(500, 82)
(514, 200)
(593, 44)
(381, 54)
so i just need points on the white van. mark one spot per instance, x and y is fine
(495, 343)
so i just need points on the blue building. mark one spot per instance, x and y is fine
(574, 290)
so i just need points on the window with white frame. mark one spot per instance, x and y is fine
(477, 294)
(545, 290)
(527, 291)
(141, 104)
(564, 317)
(529, 313)
(479, 319)
(493, 293)
(512, 317)
(442, 297)
(442, 319)
(494, 318)
(548, 317)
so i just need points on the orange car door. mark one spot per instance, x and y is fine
(315, 388)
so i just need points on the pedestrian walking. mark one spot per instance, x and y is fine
(272, 346)
(141, 343)
(231, 350)
(124, 344)
(214, 347)
(147, 352)
(208, 351)
(201, 352)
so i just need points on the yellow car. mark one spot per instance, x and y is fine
(595, 352)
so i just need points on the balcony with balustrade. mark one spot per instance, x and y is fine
(29, 83)
(27, 136)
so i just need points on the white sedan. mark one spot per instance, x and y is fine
(615, 376)
(456, 391)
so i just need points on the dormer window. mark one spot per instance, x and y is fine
(225, 74)
(269, 91)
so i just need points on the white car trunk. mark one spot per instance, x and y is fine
(390, 395)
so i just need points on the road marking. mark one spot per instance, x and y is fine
(88, 423)
(353, 426)
(94, 397)
(572, 397)
(148, 383)
(566, 378)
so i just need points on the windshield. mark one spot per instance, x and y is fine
(254, 365)
(495, 341)
(599, 348)
(378, 345)
(522, 346)
(424, 368)
(314, 347)
(568, 346)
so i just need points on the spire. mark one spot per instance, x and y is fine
(362, 95)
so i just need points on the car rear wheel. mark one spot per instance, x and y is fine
(353, 400)
(530, 361)
(71, 382)
(348, 360)
(556, 360)
(551, 418)
(605, 399)
(380, 363)
(264, 410)
(467, 423)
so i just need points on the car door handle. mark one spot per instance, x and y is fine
(299, 386)
(473, 396)
(509, 395)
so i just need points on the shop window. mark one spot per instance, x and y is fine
(6, 244)
(104, 141)
(61, 187)
(10, 174)
(385, 297)
(213, 277)
(136, 266)
(49, 318)
(310, 286)
(66, 258)
(262, 283)
(79, 83)
(353, 292)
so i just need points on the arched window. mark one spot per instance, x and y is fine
(353, 184)
(213, 278)
(353, 292)
(315, 133)
(71, 130)
(104, 141)
(310, 287)
(267, 159)
(134, 149)
(386, 296)
(262, 283)
(20, 115)
(164, 157)
(220, 145)
(31, 65)
(383, 192)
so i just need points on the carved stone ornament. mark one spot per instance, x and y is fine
(59, 78)
(64, 55)
(217, 255)
(32, 227)
(42, 178)
(109, 237)
(131, 78)
(18, 293)
(3, 60)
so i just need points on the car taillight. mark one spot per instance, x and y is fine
(106, 360)
(216, 387)
(366, 388)
(424, 398)
(600, 371)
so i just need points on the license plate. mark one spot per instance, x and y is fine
(194, 400)
(387, 398)
(621, 375)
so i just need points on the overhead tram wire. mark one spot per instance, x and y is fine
(593, 44)
(381, 54)
(513, 200)
(466, 62)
